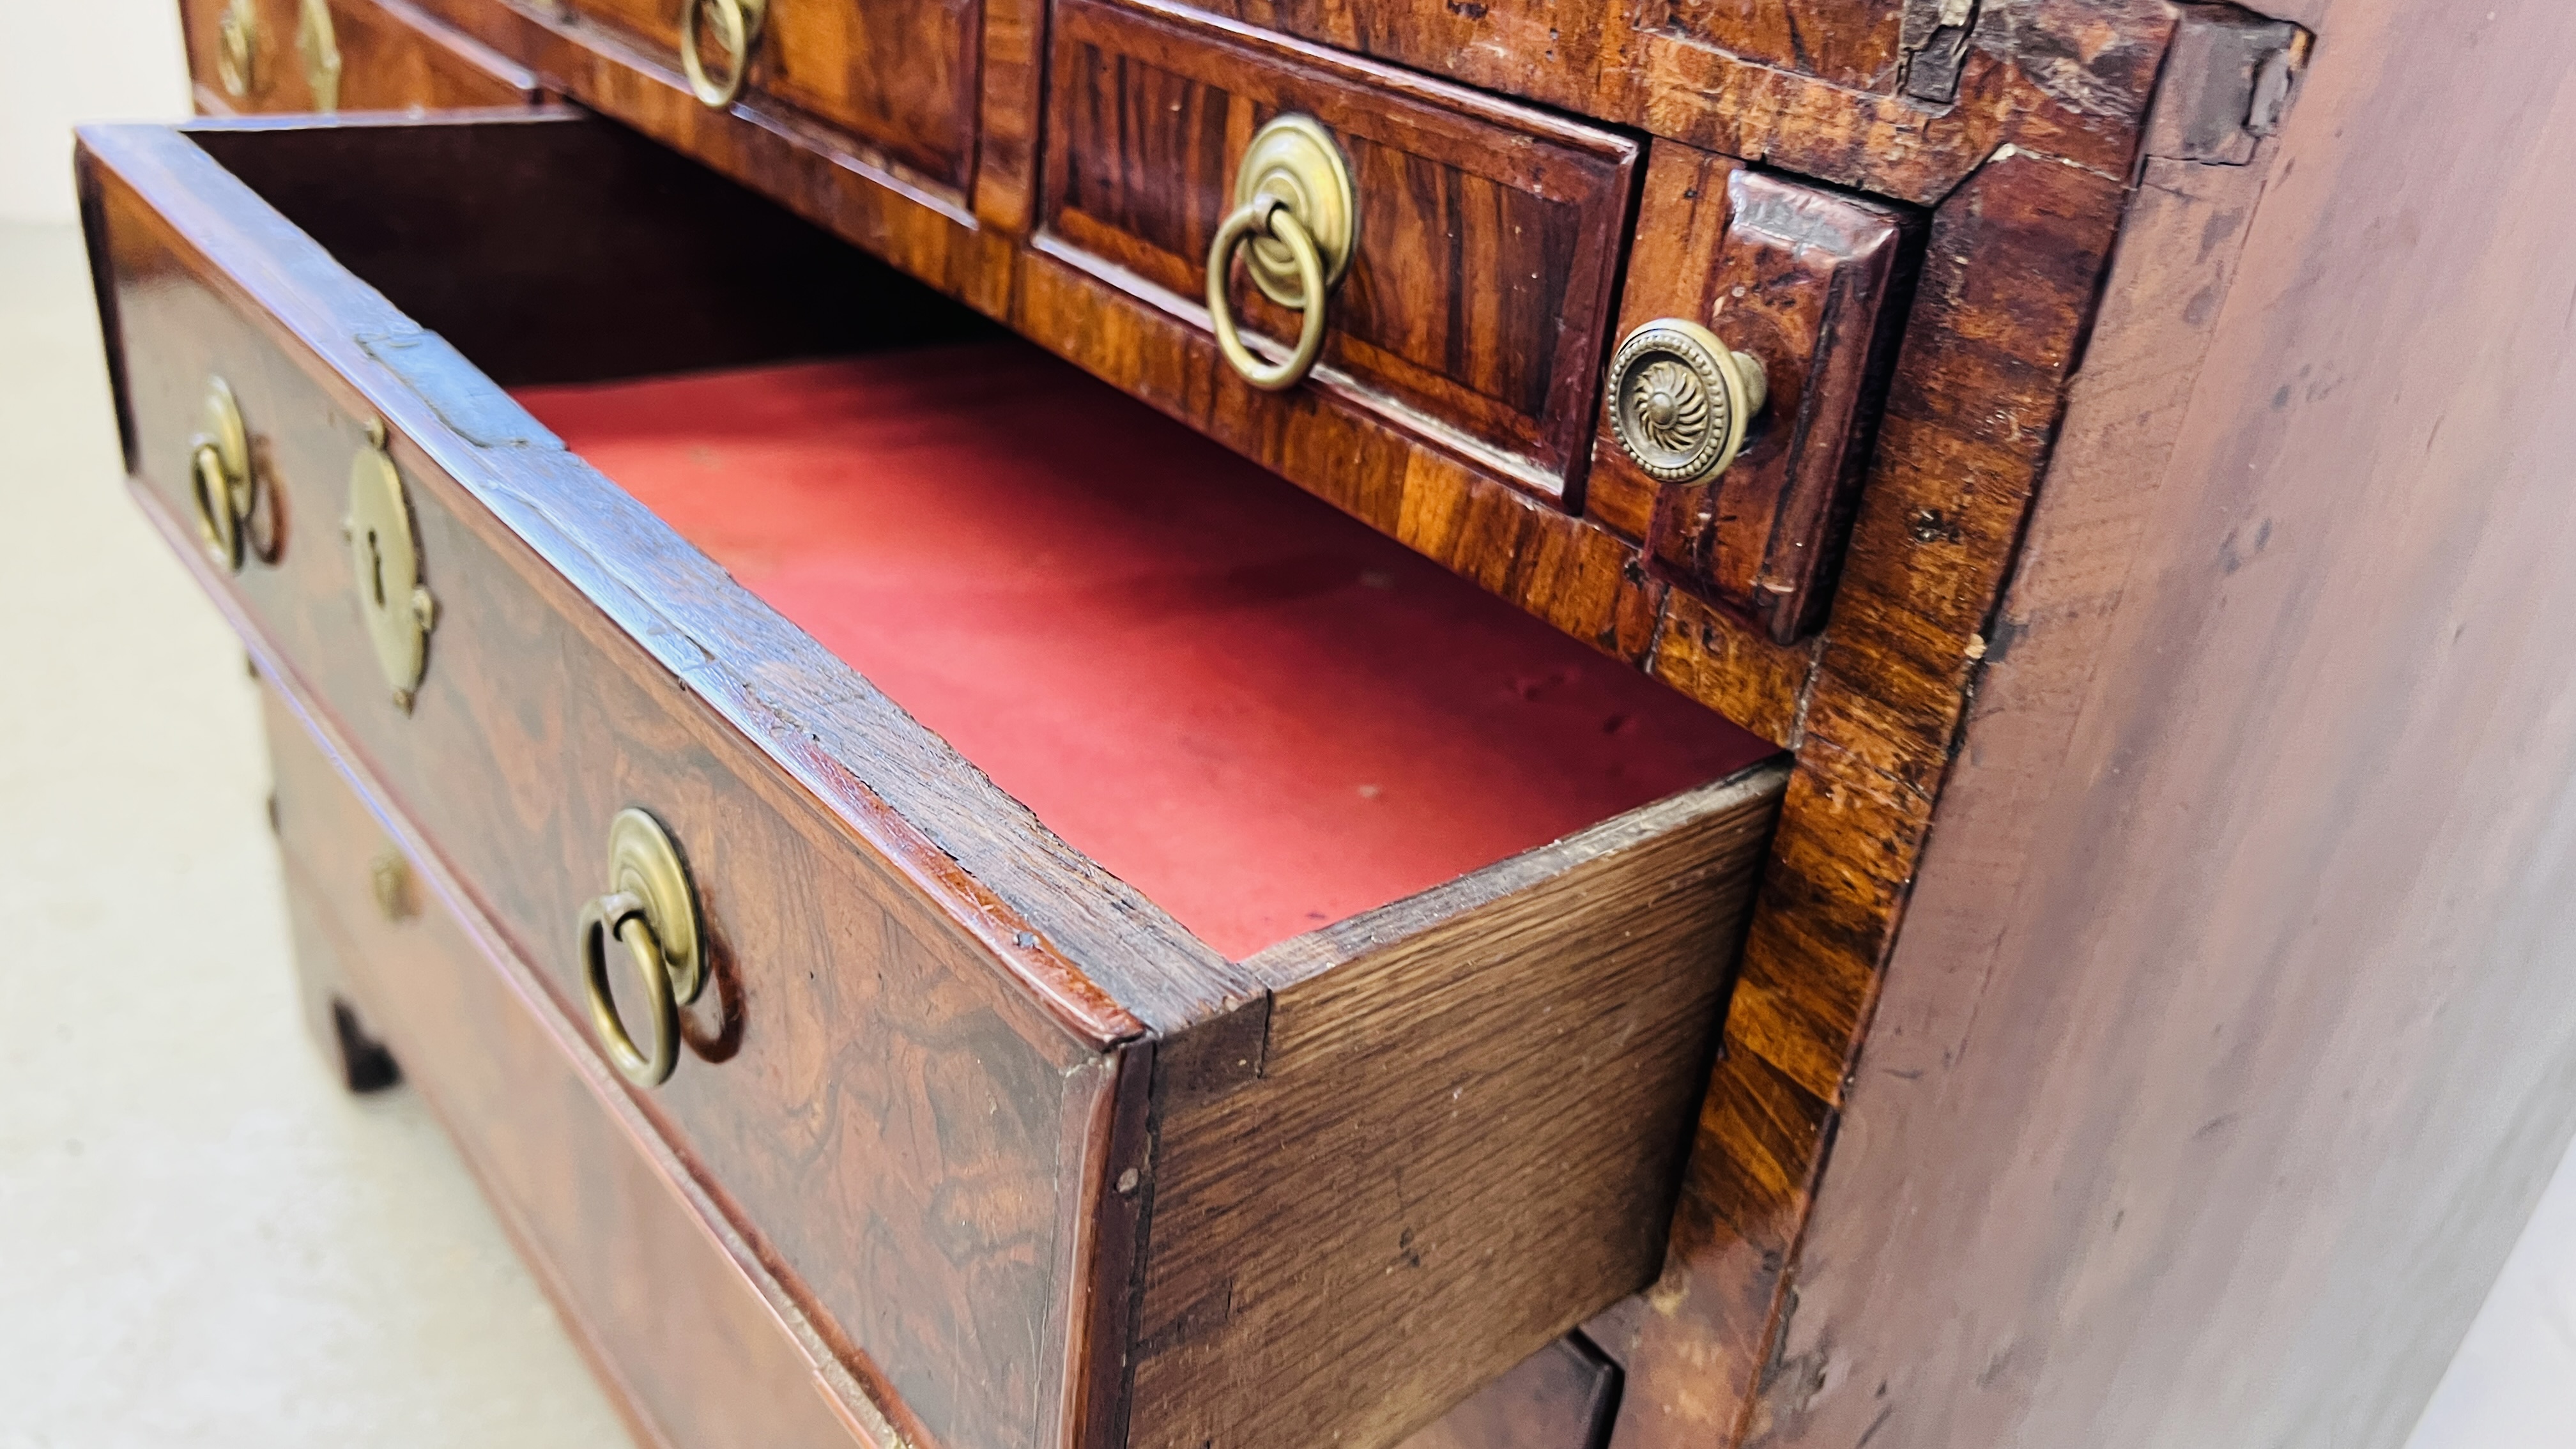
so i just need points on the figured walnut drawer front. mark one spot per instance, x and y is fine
(339, 55)
(897, 75)
(709, 1351)
(1040, 1166)
(1477, 299)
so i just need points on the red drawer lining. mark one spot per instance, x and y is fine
(1257, 711)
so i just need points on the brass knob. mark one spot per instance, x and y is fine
(219, 479)
(1296, 209)
(237, 48)
(1681, 400)
(737, 25)
(650, 908)
(384, 561)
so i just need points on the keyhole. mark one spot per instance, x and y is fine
(376, 567)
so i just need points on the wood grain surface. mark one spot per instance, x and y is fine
(393, 56)
(896, 75)
(692, 1335)
(1489, 235)
(891, 1040)
(2224, 1053)
(1561, 1397)
(1403, 1098)
(1814, 284)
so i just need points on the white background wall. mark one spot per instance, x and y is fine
(70, 61)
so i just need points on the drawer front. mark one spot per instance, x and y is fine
(1476, 301)
(340, 55)
(899, 75)
(691, 1334)
(913, 1138)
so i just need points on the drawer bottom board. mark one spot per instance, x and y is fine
(1260, 712)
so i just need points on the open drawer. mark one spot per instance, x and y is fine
(1172, 966)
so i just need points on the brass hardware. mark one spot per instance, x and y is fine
(737, 24)
(319, 47)
(385, 556)
(1298, 212)
(219, 477)
(237, 48)
(1681, 401)
(652, 909)
(389, 880)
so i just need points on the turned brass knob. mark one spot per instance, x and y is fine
(651, 909)
(384, 561)
(219, 477)
(737, 25)
(237, 49)
(1296, 221)
(1681, 401)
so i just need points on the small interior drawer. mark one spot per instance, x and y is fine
(899, 76)
(1478, 289)
(264, 56)
(1184, 969)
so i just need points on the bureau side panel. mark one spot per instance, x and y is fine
(2224, 1052)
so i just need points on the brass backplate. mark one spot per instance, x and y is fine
(644, 863)
(1295, 159)
(385, 555)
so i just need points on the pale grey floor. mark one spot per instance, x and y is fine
(203, 1241)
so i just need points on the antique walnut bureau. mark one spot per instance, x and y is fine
(1094, 722)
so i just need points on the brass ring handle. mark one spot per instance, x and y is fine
(652, 907)
(219, 523)
(738, 25)
(622, 914)
(219, 477)
(237, 49)
(1268, 215)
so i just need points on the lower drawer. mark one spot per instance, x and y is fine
(695, 1340)
(281, 56)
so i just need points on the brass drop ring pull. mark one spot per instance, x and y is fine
(1269, 216)
(237, 49)
(219, 478)
(652, 909)
(737, 24)
(622, 915)
(1296, 217)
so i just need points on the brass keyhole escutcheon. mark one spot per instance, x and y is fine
(237, 49)
(736, 25)
(1296, 221)
(1681, 401)
(317, 44)
(650, 908)
(219, 477)
(384, 557)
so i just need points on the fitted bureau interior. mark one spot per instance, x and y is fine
(1261, 713)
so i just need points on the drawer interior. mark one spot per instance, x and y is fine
(1261, 713)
